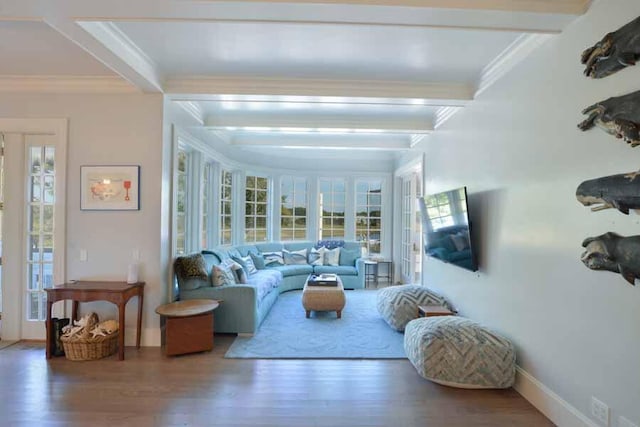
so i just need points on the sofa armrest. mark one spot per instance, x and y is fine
(238, 310)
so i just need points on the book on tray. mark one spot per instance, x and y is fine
(325, 279)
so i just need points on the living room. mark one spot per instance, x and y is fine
(513, 143)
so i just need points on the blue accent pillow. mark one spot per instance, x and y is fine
(349, 257)
(258, 261)
(330, 244)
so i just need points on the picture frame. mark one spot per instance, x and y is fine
(109, 188)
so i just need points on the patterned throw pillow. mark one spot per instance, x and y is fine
(272, 259)
(238, 272)
(316, 256)
(222, 275)
(295, 257)
(332, 257)
(258, 260)
(193, 267)
(250, 266)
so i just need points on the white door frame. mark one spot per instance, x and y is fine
(12, 290)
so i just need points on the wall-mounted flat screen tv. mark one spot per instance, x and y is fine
(446, 228)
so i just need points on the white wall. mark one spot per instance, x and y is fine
(518, 151)
(103, 130)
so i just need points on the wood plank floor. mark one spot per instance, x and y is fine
(148, 389)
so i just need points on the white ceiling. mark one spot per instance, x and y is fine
(360, 76)
(34, 48)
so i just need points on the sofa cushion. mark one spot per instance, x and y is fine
(265, 281)
(295, 257)
(245, 250)
(330, 244)
(349, 256)
(269, 246)
(222, 275)
(294, 270)
(332, 257)
(316, 256)
(218, 252)
(258, 261)
(296, 246)
(273, 258)
(247, 264)
(341, 270)
(192, 266)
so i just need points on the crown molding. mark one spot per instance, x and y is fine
(63, 84)
(318, 87)
(572, 7)
(193, 109)
(517, 51)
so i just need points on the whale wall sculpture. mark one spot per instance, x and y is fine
(618, 116)
(616, 50)
(612, 252)
(621, 192)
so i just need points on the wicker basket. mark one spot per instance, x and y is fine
(85, 347)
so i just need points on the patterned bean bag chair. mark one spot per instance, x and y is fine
(459, 352)
(398, 305)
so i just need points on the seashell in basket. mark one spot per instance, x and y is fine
(104, 328)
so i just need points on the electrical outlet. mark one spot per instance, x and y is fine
(600, 411)
(136, 255)
(623, 422)
(83, 255)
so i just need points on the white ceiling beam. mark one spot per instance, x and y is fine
(323, 122)
(109, 46)
(531, 16)
(331, 142)
(319, 87)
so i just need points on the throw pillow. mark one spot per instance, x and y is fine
(272, 259)
(330, 244)
(332, 257)
(239, 275)
(249, 264)
(193, 266)
(258, 260)
(222, 275)
(295, 257)
(316, 256)
(349, 256)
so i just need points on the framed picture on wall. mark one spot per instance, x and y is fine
(110, 188)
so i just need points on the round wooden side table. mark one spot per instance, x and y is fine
(187, 326)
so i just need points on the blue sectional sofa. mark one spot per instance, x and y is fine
(245, 306)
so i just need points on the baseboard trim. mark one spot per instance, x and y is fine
(548, 402)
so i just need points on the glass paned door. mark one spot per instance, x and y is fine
(40, 228)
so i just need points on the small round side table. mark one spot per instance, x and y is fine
(187, 326)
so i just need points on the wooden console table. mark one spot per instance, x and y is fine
(118, 293)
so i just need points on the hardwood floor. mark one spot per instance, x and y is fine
(148, 389)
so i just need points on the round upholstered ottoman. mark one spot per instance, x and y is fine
(459, 352)
(398, 305)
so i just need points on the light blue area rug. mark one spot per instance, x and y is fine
(287, 334)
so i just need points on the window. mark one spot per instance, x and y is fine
(40, 211)
(256, 199)
(332, 202)
(293, 209)
(206, 216)
(181, 203)
(369, 214)
(226, 181)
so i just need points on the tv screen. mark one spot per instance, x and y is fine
(445, 225)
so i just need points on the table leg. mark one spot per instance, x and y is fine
(139, 327)
(121, 307)
(48, 326)
(74, 311)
